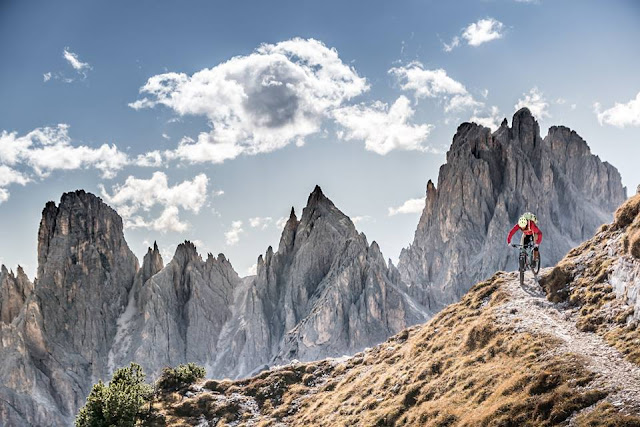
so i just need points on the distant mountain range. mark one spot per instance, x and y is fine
(325, 292)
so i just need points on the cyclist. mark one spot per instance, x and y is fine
(530, 231)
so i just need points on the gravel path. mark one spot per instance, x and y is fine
(530, 311)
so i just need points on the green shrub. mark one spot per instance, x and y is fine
(118, 403)
(181, 376)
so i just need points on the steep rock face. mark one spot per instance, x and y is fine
(488, 181)
(178, 312)
(57, 345)
(14, 291)
(326, 291)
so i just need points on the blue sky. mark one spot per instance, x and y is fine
(208, 120)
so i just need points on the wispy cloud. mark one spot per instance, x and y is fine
(260, 222)
(80, 68)
(232, 237)
(535, 102)
(491, 120)
(436, 83)
(410, 206)
(621, 114)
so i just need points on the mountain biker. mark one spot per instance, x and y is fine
(527, 224)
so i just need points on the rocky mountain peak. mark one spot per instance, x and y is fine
(151, 263)
(14, 291)
(488, 181)
(186, 252)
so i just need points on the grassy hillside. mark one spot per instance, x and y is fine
(502, 356)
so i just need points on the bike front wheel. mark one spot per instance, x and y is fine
(522, 268)
(535, 264)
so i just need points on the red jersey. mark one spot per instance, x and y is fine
(532, 228)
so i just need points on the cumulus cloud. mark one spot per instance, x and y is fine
(536, 103)
(9, 176)
(434, 84)
(46, 77)
(383, 128)
(491, 120)
(620, 115)
(260, 222)
(410, 206)
(232, 236)
(257, 103)
(135, 199)
(49, 149)
(483, 31)
(477, 33)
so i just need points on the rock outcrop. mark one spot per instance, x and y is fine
(488, 181)
(325, 292)
(14, 291)
(57, 345)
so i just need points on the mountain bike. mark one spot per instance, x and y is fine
(526, 260)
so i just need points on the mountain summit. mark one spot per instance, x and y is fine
(488, 181)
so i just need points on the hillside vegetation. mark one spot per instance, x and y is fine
(505, 355)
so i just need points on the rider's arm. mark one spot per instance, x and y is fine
(512, 232)
(537, 232)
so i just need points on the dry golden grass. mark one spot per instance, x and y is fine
(462, 368)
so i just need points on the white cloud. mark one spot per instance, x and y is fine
(620, 115)
(75, 62)
(150, 159)
(483, 31)
(260, 222)
(232, 236)
(536, 103)
(360, 219)
(49, 148)
(169, 220)
(11, 176)
(46, 77)
(492, 120)
(574, 106)
(281, 222)
(434, 84)
(383, 128)
(257, 103)
(410, 206)
(138, 196)
(561, 101)
(253, 270)
(455, 42)
(477, 33)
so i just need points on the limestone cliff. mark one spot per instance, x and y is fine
(488, 181)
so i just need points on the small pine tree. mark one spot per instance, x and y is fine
(182, 375)
(118, 403)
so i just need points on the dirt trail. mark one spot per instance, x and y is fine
(530, 311)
